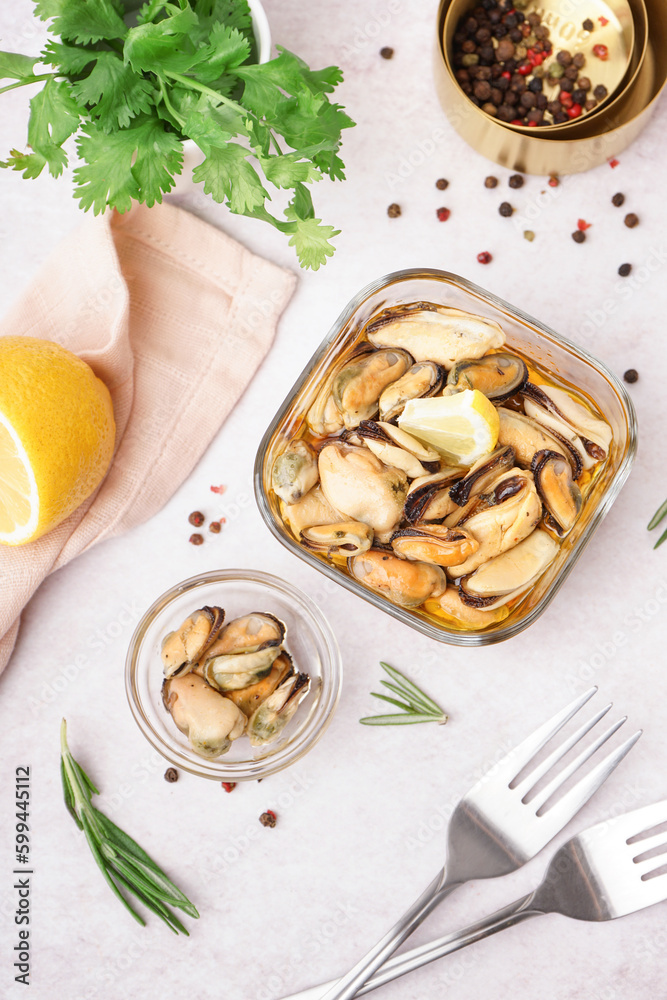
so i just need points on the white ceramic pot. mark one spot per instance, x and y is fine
(192, 154)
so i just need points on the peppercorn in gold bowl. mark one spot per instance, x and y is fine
(233, 675)
(424, 459)
(580, 94)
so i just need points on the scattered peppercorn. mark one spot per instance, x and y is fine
(215, 527)
(268, 818)
(582, 224)
(491, 182)
(484, 257)
(443, 214)
(578, 236)
(441, 184)
(588, 25)
(600, 92)
(171, 774)
(386, 52)
(505, 209)
(394, 211)
(554, 181)
(196, 539)
(624, 270)
(529, 235)
(228, 786)
(631, 220)
(618, 199)
(196, 518)
(601, 51)
(631, 375)
(516, 180)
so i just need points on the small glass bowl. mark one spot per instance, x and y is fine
(564, 361)
(309, 640)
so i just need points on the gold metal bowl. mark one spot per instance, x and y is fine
(590, 142)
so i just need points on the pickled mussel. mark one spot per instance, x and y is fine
(244, 681)
(422, 532)
(294, 472)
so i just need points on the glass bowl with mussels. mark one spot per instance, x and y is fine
(445, 457)
(233, 675)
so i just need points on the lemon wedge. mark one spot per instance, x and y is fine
(463, 427)
(56, 436)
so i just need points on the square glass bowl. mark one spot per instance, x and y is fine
(309, 640)
(560, 358)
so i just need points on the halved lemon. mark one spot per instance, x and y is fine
(56, 436)
(463, 427)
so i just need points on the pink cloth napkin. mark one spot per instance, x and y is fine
(175, 317)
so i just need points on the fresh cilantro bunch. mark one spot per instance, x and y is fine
(184, 70)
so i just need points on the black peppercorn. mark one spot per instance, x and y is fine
(196, 539)
(578, 236)
(624, 270)
(631, 375)
(441, 184)
(491, 182)
(505, 209)
(171, 774)
(588, 25)
(268, 818)
(618, 199)
(631, 220)
(516, 180)
(386, 52)
(394, 211)
(196, 518)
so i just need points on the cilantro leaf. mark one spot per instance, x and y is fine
(159, 157)
(70, 59)
(227, 176)
(227, 49)
(288, 170)
(114, 92)
(31, 164)
(14, 66)
(54, 117)
(83, 20)
(310, 239)
(164, 46)
(134, 163)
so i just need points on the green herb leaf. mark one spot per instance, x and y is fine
(83, 21)
(106, 177)
(113, 92)
(123, 863)
(311, 240)
(31, 164)
(660, 513)
(416, 706)
(163, 46)
(227, 176)
(54, 117)
(14, 66)
(70, 59)
(289, 170)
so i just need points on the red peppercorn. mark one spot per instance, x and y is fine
(443, 214)
(601, 51)
(603, 21)
(613, 163)
(583, 225)
(524, 69)
(229, 786)
(574, 111)
(517, 121)
(553, 181)
(506, 75)
(485, 257)
(565, 99)
(268, 818)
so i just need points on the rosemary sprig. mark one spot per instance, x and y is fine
(660, 513)
(415, 706)
(120, 859)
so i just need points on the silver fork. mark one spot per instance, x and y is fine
(596, 875)
(494, 830)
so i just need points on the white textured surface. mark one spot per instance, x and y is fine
(360, 828)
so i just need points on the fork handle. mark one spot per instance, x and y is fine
(350, 984)
(513, 914)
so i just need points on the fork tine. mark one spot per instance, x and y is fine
(516, 759)
(650, 865)
(559, 779)
(641, 821)
(523, 787)
(576, 797)
(642, 846)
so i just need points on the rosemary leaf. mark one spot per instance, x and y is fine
(657, 518)
(396, 720)
(662, 538)
(415, 707)
(123, 863)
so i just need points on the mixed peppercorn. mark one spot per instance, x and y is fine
(502, 60)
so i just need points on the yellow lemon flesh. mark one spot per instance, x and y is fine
(56, 436)
(463, 427)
